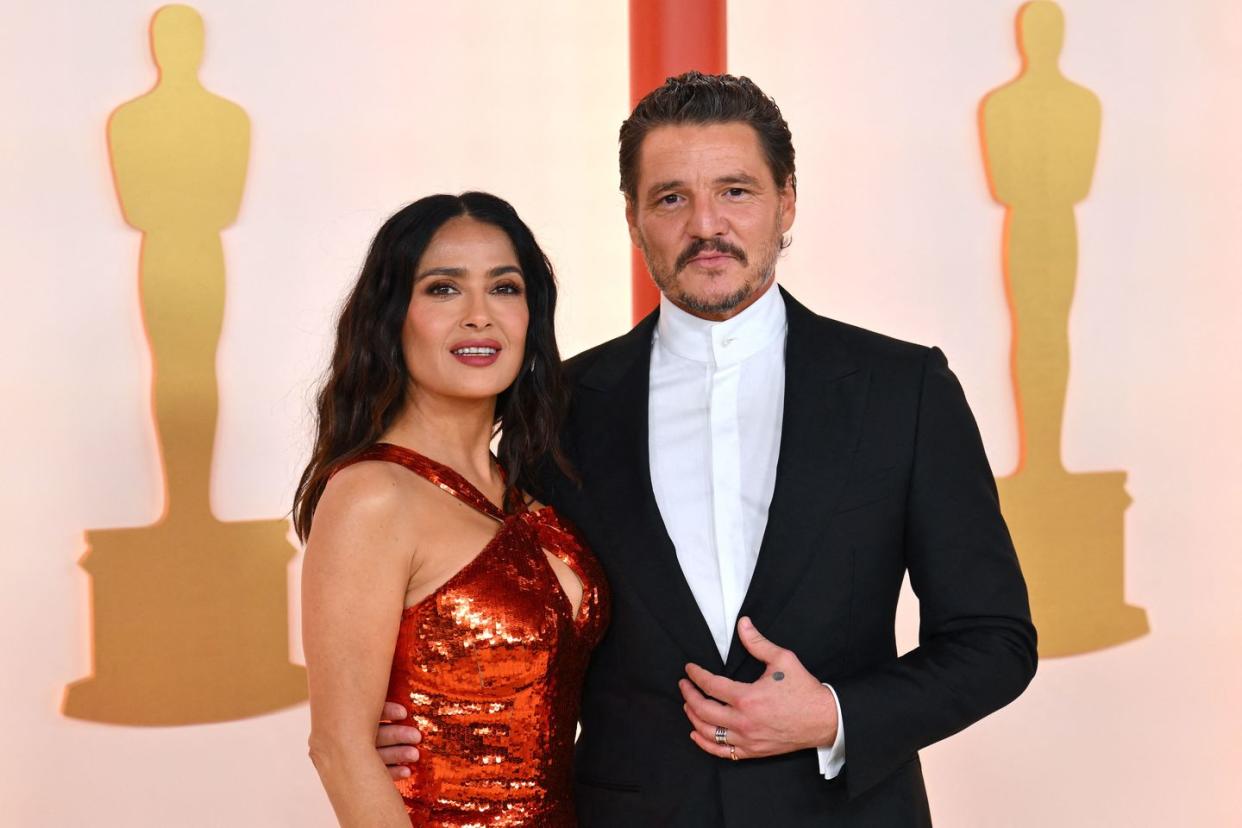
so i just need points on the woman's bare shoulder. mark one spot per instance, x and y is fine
(373, 496)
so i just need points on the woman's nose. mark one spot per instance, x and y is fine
(476, 317)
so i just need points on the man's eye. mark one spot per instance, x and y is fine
(670, 199)
(735, 192)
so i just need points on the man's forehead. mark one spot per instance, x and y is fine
(693, 151)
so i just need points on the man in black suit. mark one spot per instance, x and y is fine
(743, 459)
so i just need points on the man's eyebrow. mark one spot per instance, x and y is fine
(739, 178)
(732, 178)
(458, 272)
(671, 184)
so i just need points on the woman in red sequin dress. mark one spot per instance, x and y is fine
(431, 579)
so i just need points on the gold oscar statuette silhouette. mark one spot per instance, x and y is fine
(1040, 134)
(191, 613)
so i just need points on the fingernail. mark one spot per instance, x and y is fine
(745, 620)
(405, 772)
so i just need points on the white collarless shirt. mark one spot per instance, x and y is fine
(717, 398)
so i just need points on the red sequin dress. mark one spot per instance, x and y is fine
(490, 666)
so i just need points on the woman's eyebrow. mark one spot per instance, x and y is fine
(458, 272)
(441, 271)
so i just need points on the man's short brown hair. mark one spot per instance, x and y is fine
(695, 98)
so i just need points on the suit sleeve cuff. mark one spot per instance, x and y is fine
(832, 757)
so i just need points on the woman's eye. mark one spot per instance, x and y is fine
(508, 289)
(442, 289)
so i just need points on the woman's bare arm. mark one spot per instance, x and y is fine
(354, 577)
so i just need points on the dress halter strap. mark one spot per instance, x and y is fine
(437, 473)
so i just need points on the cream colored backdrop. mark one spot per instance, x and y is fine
(355, 110)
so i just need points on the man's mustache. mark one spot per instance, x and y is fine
(699, 246)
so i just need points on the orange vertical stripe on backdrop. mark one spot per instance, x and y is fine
(668, 37)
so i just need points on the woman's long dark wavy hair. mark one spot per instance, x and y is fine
(368, 382)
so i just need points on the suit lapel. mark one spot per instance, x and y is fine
(825, 392)
(613, 397)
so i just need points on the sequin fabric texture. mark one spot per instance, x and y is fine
(490, 666)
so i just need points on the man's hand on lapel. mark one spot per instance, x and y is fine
(786, 709)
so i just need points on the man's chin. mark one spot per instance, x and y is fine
(715, 301)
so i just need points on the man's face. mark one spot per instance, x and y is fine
(708, 216)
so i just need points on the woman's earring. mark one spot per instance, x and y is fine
(531, 369)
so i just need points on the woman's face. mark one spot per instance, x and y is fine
(465, 331)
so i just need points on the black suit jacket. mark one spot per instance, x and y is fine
(881, 472)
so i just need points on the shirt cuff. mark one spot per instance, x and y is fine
(832, 757)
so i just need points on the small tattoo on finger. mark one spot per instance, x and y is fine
(778, 676)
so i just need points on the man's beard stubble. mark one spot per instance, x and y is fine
(757, 278)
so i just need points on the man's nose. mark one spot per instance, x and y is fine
(706, 219)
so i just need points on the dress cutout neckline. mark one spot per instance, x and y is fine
(455, 484)
(449, 480)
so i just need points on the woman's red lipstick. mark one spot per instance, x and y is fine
(478, 353)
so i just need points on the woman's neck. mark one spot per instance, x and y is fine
(456, 432)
